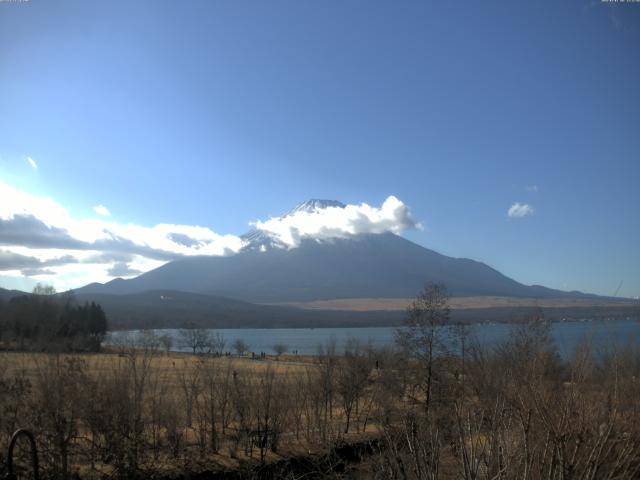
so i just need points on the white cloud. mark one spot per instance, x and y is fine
(339, 222)
(102, 210)
(519, 210)
(32, 162)
(41, 237)
(531, 188)
(39, 227)
(87, 233)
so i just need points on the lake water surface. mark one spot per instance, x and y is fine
(604, 334)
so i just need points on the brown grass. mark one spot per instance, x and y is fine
(171, 369)
(460, 303)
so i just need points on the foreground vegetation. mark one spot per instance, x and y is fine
(140, 411)
(440, 405)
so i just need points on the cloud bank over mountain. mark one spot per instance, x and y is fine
(42, 240)
(339, 222)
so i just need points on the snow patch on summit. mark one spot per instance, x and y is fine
(313, 205)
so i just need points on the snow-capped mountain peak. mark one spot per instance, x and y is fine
(258, 239)
(314, 205)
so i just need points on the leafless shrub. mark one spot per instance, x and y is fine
(352, 379)
(279, 348)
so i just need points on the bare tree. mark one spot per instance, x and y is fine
(280, 348)
(424, 333)
(218, 343)
(190, 383)
(352, 378)
(214, 388)
(43, 289)
(59, 382)
(325, 386)
(166, 341)
(197, 339)
(268, 409)
(240, 346)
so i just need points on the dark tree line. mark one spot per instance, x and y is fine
(45, 321)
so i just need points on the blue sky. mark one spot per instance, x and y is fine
(217, 113)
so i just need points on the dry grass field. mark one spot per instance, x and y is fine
(395, 304)
(142, 410)
(513, 411)
(172, 366)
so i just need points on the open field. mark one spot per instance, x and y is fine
(172, 365)
(139, 412)
(458, 303)
(142, 410)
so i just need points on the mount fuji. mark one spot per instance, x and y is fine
(365, 265)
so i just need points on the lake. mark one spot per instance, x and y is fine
(567, 335)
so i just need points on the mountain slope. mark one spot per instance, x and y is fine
(6, 295)
(172, 309)
(367, 265)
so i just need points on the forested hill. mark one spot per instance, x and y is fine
(50, 322)
(174, 309)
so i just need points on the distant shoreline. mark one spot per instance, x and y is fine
(567, 336)
(382, 319)
(457, 303)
